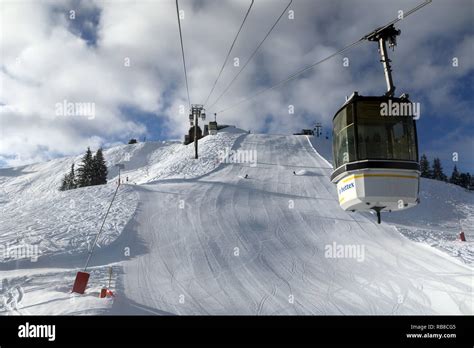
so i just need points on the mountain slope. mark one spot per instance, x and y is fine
(444, 212)
(204, 239)
(281, 224)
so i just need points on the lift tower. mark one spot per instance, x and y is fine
(197, 111)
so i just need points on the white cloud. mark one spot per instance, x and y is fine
(44, 62)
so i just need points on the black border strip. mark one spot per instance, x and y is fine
(136, 331)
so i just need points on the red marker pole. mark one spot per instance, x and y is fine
(106, 291)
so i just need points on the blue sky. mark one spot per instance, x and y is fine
(48, 57)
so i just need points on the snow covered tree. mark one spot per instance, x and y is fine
(425, 167)
(99, 169)
(86, 170)
(438, 173)
(455, 178)
(63, 186)
(69, 180)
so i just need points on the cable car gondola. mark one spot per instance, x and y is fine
(376, 155)
(213, 128)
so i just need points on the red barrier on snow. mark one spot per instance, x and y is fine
(462, 236)
(103, 293)
(80, 284)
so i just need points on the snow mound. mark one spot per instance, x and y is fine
(149, 162)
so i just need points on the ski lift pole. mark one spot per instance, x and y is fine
(196, 120)
(318, 128)
(100, 230)
(119, 166)
(197, 111)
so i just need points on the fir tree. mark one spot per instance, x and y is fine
(69, 180)
(64, 185)
(86, 170)
(99, 169)
(72, 178)
(455, 177)
(464, 180)
(438, 170)
(425, 167)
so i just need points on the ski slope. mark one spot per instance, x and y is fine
(192, 257)
(444, 212)
(203, 239)
(34, 213)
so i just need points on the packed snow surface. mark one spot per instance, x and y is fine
(258, 233)
(444, 212)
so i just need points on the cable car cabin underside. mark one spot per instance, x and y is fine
(376, 188)
(375, 155)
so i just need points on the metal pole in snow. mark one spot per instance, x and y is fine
(100, 230)
(120, 166)
(110, 276)
(195, 133)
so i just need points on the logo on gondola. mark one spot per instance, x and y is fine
(346, 187)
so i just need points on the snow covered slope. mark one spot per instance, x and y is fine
(445, 210)
(282, 225)
(35, 214)
(151, 161)
(204, 239)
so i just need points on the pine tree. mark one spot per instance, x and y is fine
(455, 177)
(99, 169)
(71, 181)
(425, 167)
(464, 180)
(64, 184)
(85, 172)
(438, 170)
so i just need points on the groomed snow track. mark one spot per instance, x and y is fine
(223, 244)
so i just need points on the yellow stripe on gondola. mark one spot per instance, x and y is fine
(354, 176)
